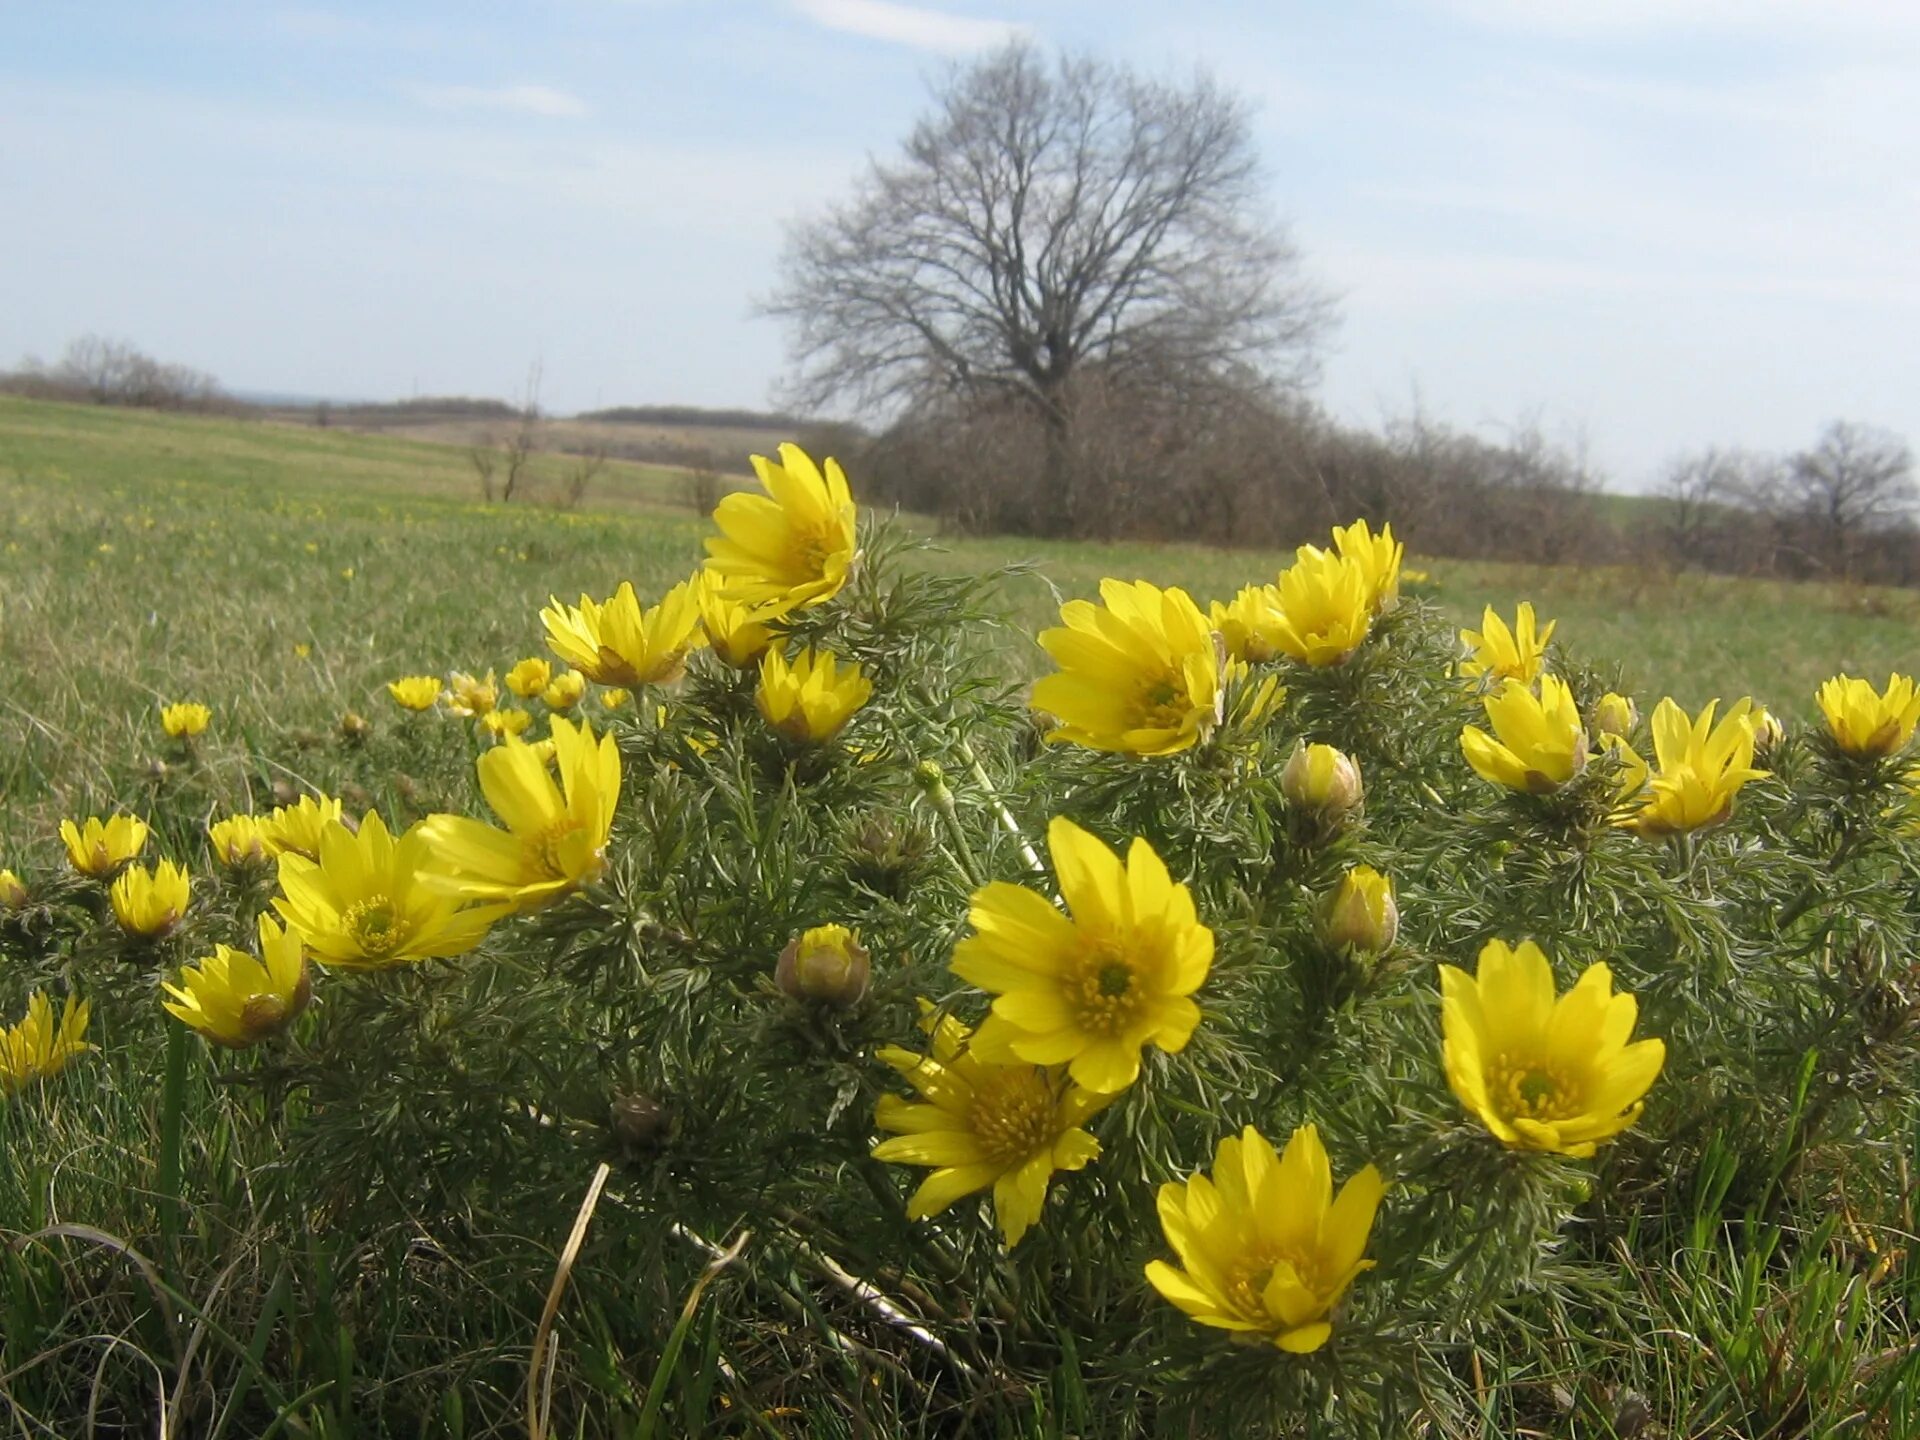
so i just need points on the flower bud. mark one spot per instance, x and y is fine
(13, 894)
(1360, 914)
(1613, 715)
(1767, 731)
(825, 964)
(354, 727)
(1322, 779)
(638, 1122)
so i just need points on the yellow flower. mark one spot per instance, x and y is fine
(795, 548)
(1139, 673)
(1867, 723)
(296, 829)
(1088, 991)
(239, 840)
(827, 964)
(1326, 607)
(1322, 779)
(502, 723)
(415, 692)
(739, 634)
(1503, 654)
(1265, 1246)
(149, 903)
(616, 642)
(13, 893)
(555, 840)
(98, 848)
(1540, 1072)
(1360, 914)
(1378, 557)
(367, 904)
(236, 1000)
(1541, 744)
(1702, 767)
(39, 1045)
(565, 690)
(185, 720)
(979, 1125)
(469, 697)
(810, 699)
(529, 677)
(1248, 626)
(614, 699)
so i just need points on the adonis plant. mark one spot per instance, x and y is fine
(790, 1006)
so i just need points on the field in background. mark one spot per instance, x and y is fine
(283, 574)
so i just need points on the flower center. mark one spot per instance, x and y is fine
(375, 926)
(1105, 992)
(1163, 702)
(1012, 1115)
(549, 854)
(1527, 1089)
(1247, 1280)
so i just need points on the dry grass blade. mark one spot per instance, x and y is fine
(537, 1405)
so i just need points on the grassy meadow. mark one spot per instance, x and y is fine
(283, 574)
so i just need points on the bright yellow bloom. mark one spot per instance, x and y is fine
(1541, 743)
(1139, 673)
(739, 634)
(1867, 723)
(980, 1125)
(185, 720)
(502, 723)
(793, 549)
(415, 692)
(529, 677)
(1379, 559)
(39, 1045)
(1360, 914)
(1702, 767)
(564, 691)
(1326, 607)
(1265, 1246)
(240, 840)
(614, 699)
(1248, 627)
(1503, 654)
(469, 697)
(98, 847)
(149, 903)
(296, 829)
(1088, 991)
(368, 905)
(236, 1000)
(1322, 779)
(810, 699)
(1540, 1072)
(555, 840)
(13, 892)
(616, 642)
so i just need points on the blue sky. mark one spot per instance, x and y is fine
(1653, 224)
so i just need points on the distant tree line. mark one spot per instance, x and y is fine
(696, 416)
(102, 371)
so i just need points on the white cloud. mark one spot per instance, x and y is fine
(910, 24)
(540, 100)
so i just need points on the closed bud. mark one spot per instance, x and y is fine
(1767, 731)
(1360, 915)
(354, 727)
(825, 964)
(1614, 715)
(638, 1122)
(1322, 779)
(13, 893)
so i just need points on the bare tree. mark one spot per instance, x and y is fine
(1049, 220)
(1854, 482)
(486, 459)
(582, 470)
